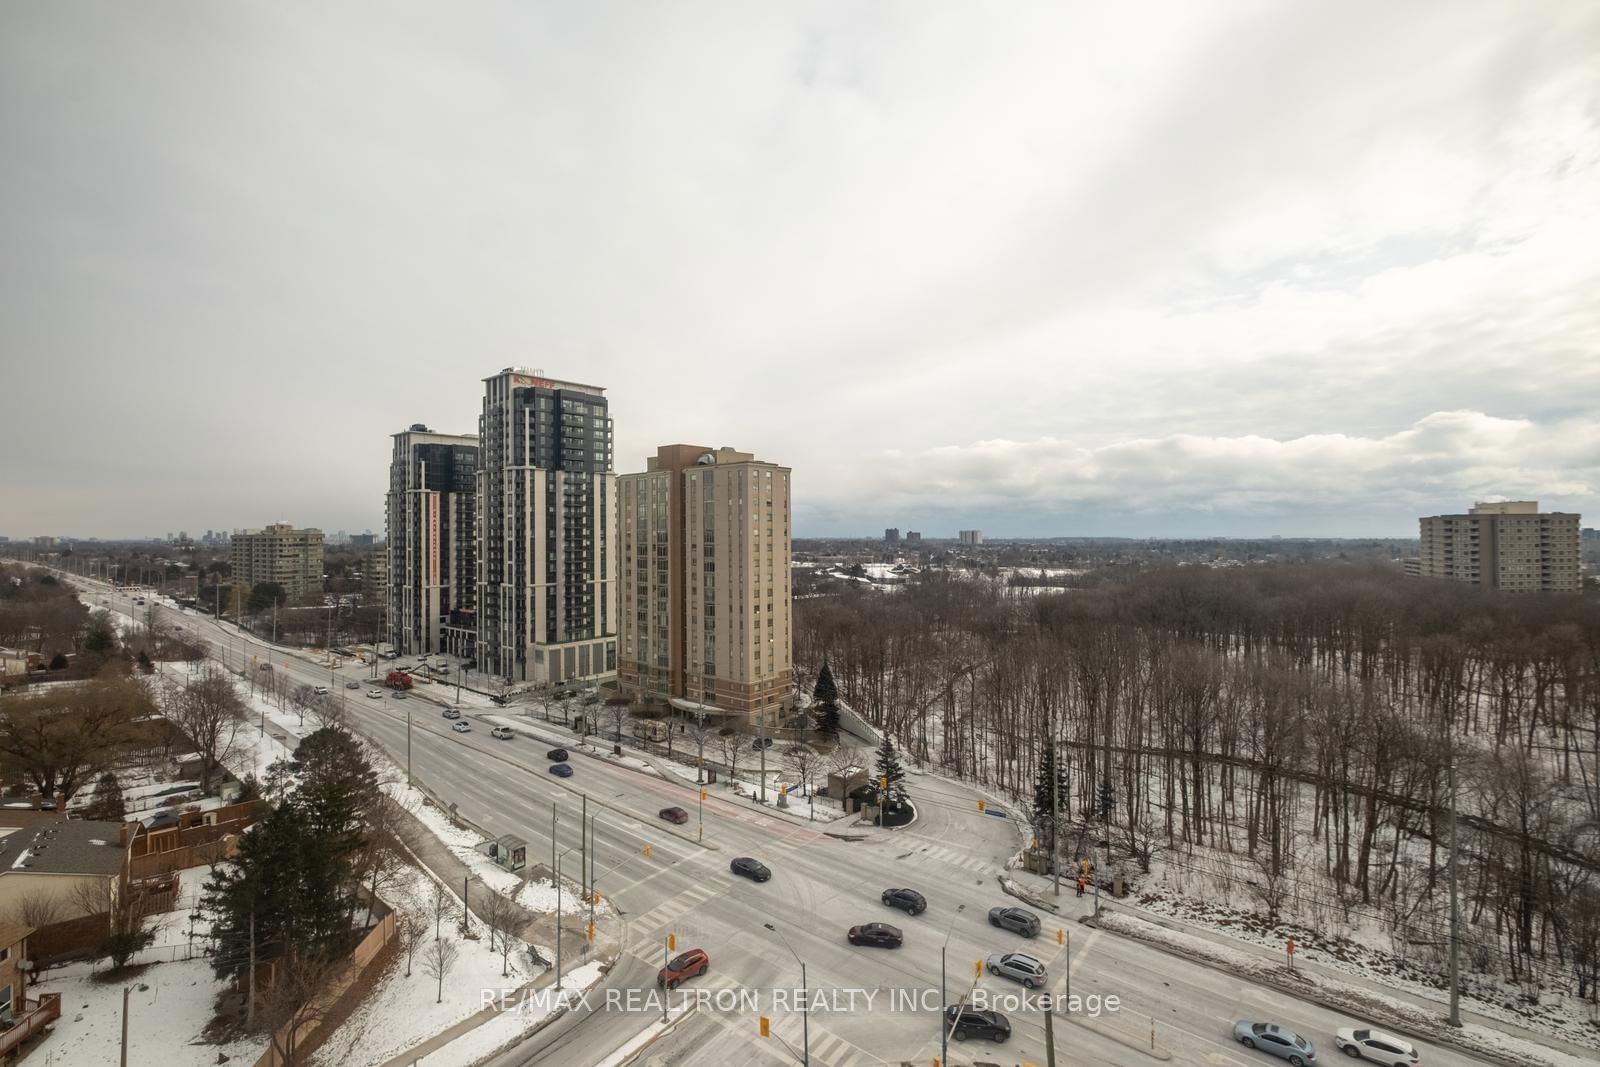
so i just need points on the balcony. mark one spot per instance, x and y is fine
(37, 1013)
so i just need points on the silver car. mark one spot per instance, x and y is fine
(1269, 1037)
(1377, 1046)
(1021, 920)
(1017, 966)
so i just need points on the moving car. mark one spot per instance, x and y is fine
(352, 685)
(462, 727)
(878, 935)
(375, 694)
(557, 754)
(677, 815)
(1020, 920)
(691, 964)
(755, 870)
(1017, 966)
(907, 900)
(963, 1022)
(502, 733)
(1377, 1046)
(452, 713)
(398, 694)
(320, 690)
(1270, 1037)
(561, 770)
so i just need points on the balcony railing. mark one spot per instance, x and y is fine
(37, 1013)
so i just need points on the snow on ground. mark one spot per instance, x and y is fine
(401, 1012)
(1358, 1000)
(626, 1053)
(540, 895)
(520, 1015)
(170, 1005)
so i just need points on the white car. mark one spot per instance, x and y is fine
(375, 694)
(1377, 1046)
(462, 727)
(502, 733)
(321, 690)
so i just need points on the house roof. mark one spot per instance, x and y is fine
(11, 933)
(63, 846)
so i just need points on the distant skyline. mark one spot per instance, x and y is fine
(1168, 270)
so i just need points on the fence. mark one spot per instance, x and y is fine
(300, 1039)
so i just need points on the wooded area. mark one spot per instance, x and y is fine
(1300, 719)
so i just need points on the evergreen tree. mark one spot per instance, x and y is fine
(826, 720)
(1041, 796)
(338, 788)
(145, 665)
(825, 692)
(107, 803)
(888, 767)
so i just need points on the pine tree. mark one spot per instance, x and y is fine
(338, 788)
(825, 692)
(1041, 796)
(888, 767)
(826, 720)
(107, 803)
(145, 665)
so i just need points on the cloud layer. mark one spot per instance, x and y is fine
(1272, 246)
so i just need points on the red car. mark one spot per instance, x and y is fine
(677, 815)
(690, 964)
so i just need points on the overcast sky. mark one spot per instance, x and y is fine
(1194, 269)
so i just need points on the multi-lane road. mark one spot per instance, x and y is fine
(821, 886)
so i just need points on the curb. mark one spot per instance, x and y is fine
(1158, 1054)
(633, 1056)
(1370, 1008)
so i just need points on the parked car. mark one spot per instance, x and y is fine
(452, 713)
(760, 743)
(1020, 920)
(1270, 1037)
(691, 964)
(1017, 966)
(561, 770)
(159, 821)
(907, 900)
(375, 694)
(755, 870)
(565, 694)
(1377, 1046)
(677, 815)
(557, 754)
(877, 935)
(501, 733)
(963, 1022)
(352, 685)
(462, 727)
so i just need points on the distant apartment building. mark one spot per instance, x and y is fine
(892, 535)
(913, 537)
(431, 548)
(366, 540)
(281, 554)
(704, 583)
(971, 537)
(1508, 545)
(546, 543)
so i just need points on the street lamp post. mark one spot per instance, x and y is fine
(805, 991)
(558, 915)
(944, 993)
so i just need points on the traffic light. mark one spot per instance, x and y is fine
(702, 794)
(980, 804)
(1061, 935)
(672, 942)
(783, 789)
(883, 781)
(766, 1027)
(589, 932)
(977, 968)
(647, 852)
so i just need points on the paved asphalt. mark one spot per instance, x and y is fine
(820, 886)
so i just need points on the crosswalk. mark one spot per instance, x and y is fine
(650, 924)
(827, 1048)
(957, 858)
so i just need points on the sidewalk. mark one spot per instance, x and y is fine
(1040, 887)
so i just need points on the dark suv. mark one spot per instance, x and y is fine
(755, 870)
(907, 900)
(964, 1022)
(557, 754)
(1021, 920)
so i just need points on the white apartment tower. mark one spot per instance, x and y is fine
(546, 530)
(432, 579)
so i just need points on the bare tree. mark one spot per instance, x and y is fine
(296, 999)
(210, 714)
(329, 711)
(411, 928)
(127, 916)
(38, 908)
(303, 698)
(730, 743)
(805, 762)
(504, 917)
(440, 903)
(438, 960)
(66, 737)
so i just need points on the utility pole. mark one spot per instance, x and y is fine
(408, 748)
(1050, 1037)
(250, 996)
(762, 742)
(125, 991)
(1055, 820)
(1455, 902)
(583, 843)
(553, 862)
